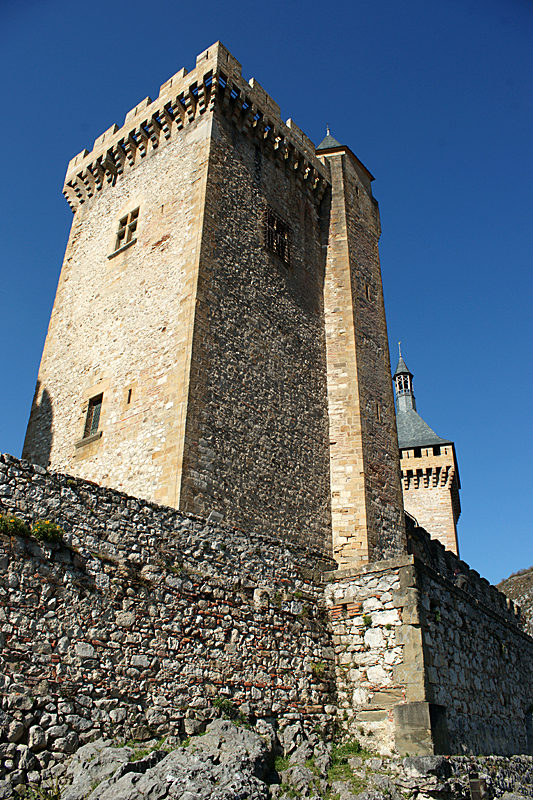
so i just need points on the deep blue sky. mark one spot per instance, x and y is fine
(434, 96)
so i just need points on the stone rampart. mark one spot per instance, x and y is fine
(429, 657)
(147, 621)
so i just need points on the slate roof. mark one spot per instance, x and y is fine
(328, 143)
(414, 432)
(401, 368)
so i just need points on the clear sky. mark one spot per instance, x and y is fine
(434, 96)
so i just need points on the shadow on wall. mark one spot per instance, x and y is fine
(39, 436)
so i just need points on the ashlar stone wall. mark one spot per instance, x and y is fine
(366, 500)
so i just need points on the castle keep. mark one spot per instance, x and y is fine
(214, 431)
(218, 338)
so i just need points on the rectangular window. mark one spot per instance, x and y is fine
(277, 235)
(126, 228)
(93, 416)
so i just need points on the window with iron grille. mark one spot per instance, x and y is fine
(126, 228)
(93, 416)
(277, 235)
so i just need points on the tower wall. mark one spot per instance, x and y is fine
(124, 323)
(367, 508)
(256, 443)
(204, 337)
(206, 344)
(431, 492)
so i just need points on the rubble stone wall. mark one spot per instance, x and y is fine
(146, 621)
(256, 439)
(365, 607)
(478, 667)
(429, 657)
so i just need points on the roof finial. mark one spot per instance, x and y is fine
(327, 129)
(400, 348)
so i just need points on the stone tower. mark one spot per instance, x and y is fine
(430, 477)
(220, 283)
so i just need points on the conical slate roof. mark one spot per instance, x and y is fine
(414, 432)
(328, 142)
(401, 368)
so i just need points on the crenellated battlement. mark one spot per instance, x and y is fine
(216, 81)
(450, 567)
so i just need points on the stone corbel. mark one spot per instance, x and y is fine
(130, 146)
(248, 118)
(280, 150)
(226, 97)
(98, 173)
(166, 121)
(119, 156)
(179, 111)
(320, 188)
(257, 126)
(213, 92)
(154, 130)
(71, 197)
(87, 178)
(141, 137)
(110, 167)
(79, 189)
(189, 101)
(201, 99)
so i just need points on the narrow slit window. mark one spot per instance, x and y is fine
(277, 235)
(93, 416)
(127, 227)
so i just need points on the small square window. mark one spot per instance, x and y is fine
(277, 235)
(93, 416)
(127, 226)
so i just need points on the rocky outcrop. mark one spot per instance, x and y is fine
(230, 762)
(519, 587)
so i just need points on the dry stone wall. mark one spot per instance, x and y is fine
(478, 667)
(147, 621)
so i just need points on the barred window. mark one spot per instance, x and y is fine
(93, 416)
(277, 235)
(126, 228)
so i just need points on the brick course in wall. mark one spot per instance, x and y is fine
(145, 618)
(429, 657)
